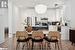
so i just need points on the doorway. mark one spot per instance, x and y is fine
(6, 31)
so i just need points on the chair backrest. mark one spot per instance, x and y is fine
(22, 34)
(37, 34)
(54, 34)
(29, 29)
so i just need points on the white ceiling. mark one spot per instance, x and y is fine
(32, 3)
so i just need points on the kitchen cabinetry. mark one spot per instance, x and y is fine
(64, 32)
(72, 35)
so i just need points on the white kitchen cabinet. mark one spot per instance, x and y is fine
(64, 32)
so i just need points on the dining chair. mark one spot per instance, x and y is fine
(22, 37)
(29, 29)
(54, 37)
(37, 36)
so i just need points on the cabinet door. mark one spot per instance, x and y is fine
(72, 35)
(65, 33)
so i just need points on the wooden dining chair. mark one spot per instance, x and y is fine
(37, 36)
(22, 37)
(29, 29)
(55, 37)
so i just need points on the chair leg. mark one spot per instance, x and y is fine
(48, 46)
(41, 46)
(55, 46)
(28, 46)
(23, 46)
(58, 46)
(17, 45)
(32, 45)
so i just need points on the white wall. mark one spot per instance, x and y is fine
(10, 16)
(31, 13)
(72, 14)
(14, 18)
(3, 22)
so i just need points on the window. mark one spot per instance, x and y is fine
(4, 4)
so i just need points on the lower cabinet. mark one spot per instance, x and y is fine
(72, 35)
(64, 33)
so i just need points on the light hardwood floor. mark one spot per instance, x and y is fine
(10, 43)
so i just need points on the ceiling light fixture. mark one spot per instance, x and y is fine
(40, 9)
